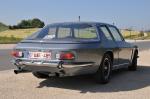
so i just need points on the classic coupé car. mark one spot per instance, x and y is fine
(75, 48)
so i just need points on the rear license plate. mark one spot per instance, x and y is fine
(40, 55)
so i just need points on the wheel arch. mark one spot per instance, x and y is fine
(111, 55)
(135, 50)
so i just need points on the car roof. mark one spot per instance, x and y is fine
(80, 23)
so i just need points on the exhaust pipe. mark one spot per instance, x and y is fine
(18, 71)
(60, 65)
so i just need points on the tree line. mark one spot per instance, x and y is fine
(31, 23)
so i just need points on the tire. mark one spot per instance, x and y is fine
(41, 75)
(104, 72)
(133, 66)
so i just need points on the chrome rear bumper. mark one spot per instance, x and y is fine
(52, 63)
(56, 66)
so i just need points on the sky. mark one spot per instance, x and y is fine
(133, 14)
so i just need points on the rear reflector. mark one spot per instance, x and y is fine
(67, 56)
(16, 53)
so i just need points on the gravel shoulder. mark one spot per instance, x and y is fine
(124, 85)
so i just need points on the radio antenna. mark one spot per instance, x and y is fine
(79, 18)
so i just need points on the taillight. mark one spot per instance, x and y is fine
(16, 53)
(66, 56)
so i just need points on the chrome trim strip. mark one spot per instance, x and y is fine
(121, 64)
(83, 65)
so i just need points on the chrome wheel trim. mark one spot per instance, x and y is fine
(106, 68)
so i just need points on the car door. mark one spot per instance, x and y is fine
(125, 50)
(109, 43)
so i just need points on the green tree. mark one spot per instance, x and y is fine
(25, 24)
(37, 23)
(33, 23)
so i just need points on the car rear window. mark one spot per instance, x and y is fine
(85, 32)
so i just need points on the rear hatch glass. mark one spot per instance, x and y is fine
(66, 32)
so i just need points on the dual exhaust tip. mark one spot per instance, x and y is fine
(17, 71)
(20, 71)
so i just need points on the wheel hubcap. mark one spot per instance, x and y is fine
(106, 65)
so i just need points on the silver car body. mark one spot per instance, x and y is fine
(88, 54)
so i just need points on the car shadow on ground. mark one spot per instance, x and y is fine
(122, 80)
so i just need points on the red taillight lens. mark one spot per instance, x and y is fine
(67, 56)
(17, 53)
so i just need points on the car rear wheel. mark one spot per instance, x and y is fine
(104, 71)
(41, 75)
(133, 66)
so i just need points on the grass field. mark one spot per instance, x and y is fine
(14, 36)
(126, 33)
(134, 35)
(3, 27)
(18, 33)
(9, 40)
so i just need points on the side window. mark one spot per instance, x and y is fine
(106, 33)
(85, 33)
(115, 34)
(64, 32)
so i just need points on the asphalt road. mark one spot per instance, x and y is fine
(124, 84)
(5, 57)
(5, 60)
